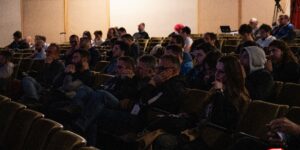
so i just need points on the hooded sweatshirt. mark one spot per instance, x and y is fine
(259, 81)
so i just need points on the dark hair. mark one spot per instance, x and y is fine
(284, 16)
(206, 47)
(179, 39)
(143, 24)
(18, 34)
(212, 58)
(287, 54)
(245, 28)
(82, 53)
(197, 43)
(129, 62)
(73, 36)
(122, 44)
(87, 34)
(149, 60)
(213, 36)
(173, 59)
(122, 29)
(98, 32)
(186, 30)
(265, 28)
(43, 38)
(7, 55)
(56, 47)
(127, 37)
(176, 50)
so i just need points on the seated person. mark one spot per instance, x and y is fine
(98, 38)
(259, 81)
(282, 63)
(118, 50)
(265, 36)
(6, 70)
(245, 32)
(142, 34)
(186, 65)
(177, 29)
(122, 31)
(46, 77)
(195, 77)
(285, 30)
(39, 52)
(85, 44)
(188, 41)
(283, 133)
(18, 42)
(211, 38)
(133, 50)
(74, 43)
(227, 102)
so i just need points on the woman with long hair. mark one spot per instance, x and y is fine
(225, 105)
(282, 62)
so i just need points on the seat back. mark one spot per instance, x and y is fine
(276, 89)
(194, 100)
(100, 78)
(259, 114)
(4, 99)
(294, 114)
(289, 94)
(101, 65)
(7, 112)
(41, 131)
(65, 140)
(19, 128)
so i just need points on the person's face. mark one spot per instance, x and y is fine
(200, 55)
(141, 27)
(166, 66)
(253, 24)
(121, 68)
(282, 20)
(76, 58)
(244, 58)
(117, 52)
(263, 34)
(207, 39)
(128, 42)
(275, 53)
(52, 52)
(143, 71)
(220, 72)
(39, 45)
(85, 44)
(73, 42)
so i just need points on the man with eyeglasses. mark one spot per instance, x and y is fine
(285, 30)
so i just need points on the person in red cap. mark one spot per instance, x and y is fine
(177, 29)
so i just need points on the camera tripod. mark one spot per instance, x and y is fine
(277, 9)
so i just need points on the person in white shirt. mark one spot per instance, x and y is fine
(98, 38)
(265, 36)
(188, 41)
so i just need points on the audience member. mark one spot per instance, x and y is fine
(211, 38)
(6, 70)
(98, 38)
(188, 41)
(18, 42)
(30, 42)
(142, 34)
(39, 51)
(122, 31)
(253, 22)
(265, 36)
(285, 30)
(177, 29)
(133, 50)
(85, 44)
(245, 31)
(74, 43)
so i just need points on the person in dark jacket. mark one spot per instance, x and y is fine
(18, 42)
(282, 63)
(133, 50)
(46, 78)
(259, 81)
(227, 102)
(74, 43)
(85, 44)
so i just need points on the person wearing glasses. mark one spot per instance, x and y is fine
(285, 30)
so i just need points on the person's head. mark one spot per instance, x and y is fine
(201, 51)
(178, 27)
(122, 31)
(141, 27)
(175, 51)
(253, 22)
(245, 31)
(79, 57)
(177, 40)
(170, 64)
(146, 66)
(119, 49)
(39, 45)
(112, 33)
(17, 35)
(186, 31)
(87, 34)
(5, 57)
(253, 58)
(43, 38)
(74, 41)
(29, 40)
(211, 38)
(265, 31)
(128, 39)
(158, 51)
(197, 43)
(281, 53)
(98, 34)
(53, 51)
(283, 20)
(85, 43)
(125, 65)
(210, 62)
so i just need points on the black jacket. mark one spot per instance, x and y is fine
(288, 72)
(49, 73)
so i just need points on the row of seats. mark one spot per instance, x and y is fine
(26, 129)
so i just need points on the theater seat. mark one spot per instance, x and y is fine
(41, 131)
(101, 65)
(193, 103)
(258, 115)
(65, 140)
(19, 128)
(276, 89)
(101, 78)
(7, 112)
(88, 148)
(294, 114)
(290, 94)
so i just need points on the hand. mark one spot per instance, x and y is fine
(125, 104)
(284, 125)
(70, 68)
(269, 65)
(217, 85)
